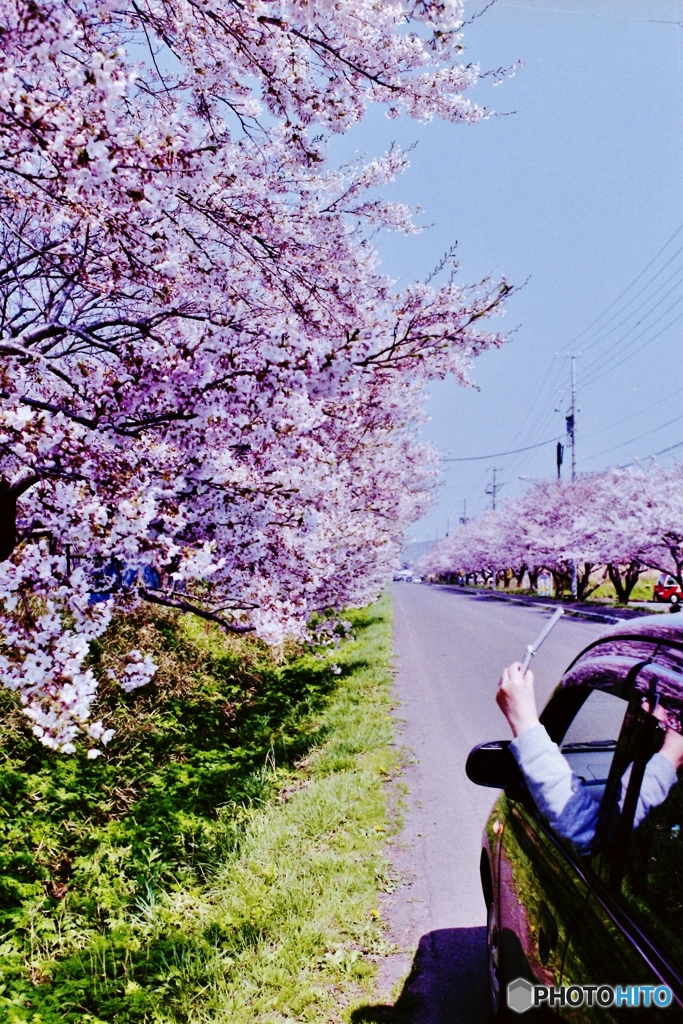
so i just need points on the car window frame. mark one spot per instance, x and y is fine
(635, 747)
(558, 715)
(605, 869)
(634, 742)
(608, 865)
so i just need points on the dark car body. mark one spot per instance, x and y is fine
(614, 916)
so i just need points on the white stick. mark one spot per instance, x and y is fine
(532, 648)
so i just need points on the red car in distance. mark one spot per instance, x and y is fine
(666, 589)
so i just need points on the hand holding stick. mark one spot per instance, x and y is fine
(515, 696)
(532, 648)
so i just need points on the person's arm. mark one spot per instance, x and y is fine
(658, 778)
(660, 772)
(516, 698)
(557, 791)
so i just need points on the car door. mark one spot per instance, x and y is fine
(543, 881)
(630, 930)
(539, 897)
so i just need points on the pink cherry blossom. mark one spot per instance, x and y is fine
(209, 393)
(612, 524)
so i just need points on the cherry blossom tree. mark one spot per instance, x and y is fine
(209, 392)
(548, 528)
(616, 544)
(601, 525)
(651, 519)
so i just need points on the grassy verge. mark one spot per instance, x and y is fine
(222, 861)
(604, 593)
(641, 592)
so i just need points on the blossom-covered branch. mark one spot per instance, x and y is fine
(205, 379)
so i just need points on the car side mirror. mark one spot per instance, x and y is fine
(492, 764)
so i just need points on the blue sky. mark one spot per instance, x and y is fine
(576, 192)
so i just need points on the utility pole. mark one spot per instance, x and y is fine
(560, 458)
(495, 487)
(463, 517)
(571, 418)
(571, 432)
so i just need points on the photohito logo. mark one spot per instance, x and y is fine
(522, 995)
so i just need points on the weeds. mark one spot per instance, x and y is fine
(222, 861)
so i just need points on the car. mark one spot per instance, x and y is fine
(667, 589)
(417, 579)
(613, 916)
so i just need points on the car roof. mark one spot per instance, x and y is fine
(662, 626)
(640, 657)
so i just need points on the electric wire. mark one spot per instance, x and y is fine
(653, 455)
(587, 343)
(500, 455)
(531, 405)
(631, 416)
(616, 316)
(615, 344)
(608, 369)
(632, 440)
(605, 325)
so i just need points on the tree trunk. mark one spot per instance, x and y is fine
(8, 519)
(624, 584)
(9, 493)
(520, 574)
(583, 588)
(563, 581)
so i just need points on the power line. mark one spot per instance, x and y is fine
(599, 329)
(632, 415)
(625, 359)
(588, 343)
(662, 451)
(594, 334)
(632, 440)
(620, 357)
(538, 423)
(499, 455)
(601, 357)
(605, 331)
(671, 447)
(539, 391)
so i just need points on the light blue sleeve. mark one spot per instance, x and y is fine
(557, 791)
(562, 798)
(660, 776)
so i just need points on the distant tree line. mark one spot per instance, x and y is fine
(613, 525)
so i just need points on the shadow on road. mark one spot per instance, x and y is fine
(447, 983)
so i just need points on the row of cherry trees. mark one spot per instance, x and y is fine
(609, 525)
(208, 391)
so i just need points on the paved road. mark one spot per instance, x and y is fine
(450, 649)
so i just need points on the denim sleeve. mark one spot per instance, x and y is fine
(557, 791)
(561, 797)
(660, 776)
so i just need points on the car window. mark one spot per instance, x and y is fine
(652, 884)
(591, 739)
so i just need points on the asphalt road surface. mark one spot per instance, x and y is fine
(450, 650)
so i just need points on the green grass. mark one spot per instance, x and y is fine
(222, 861)
(641, 592)
(605, 592)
